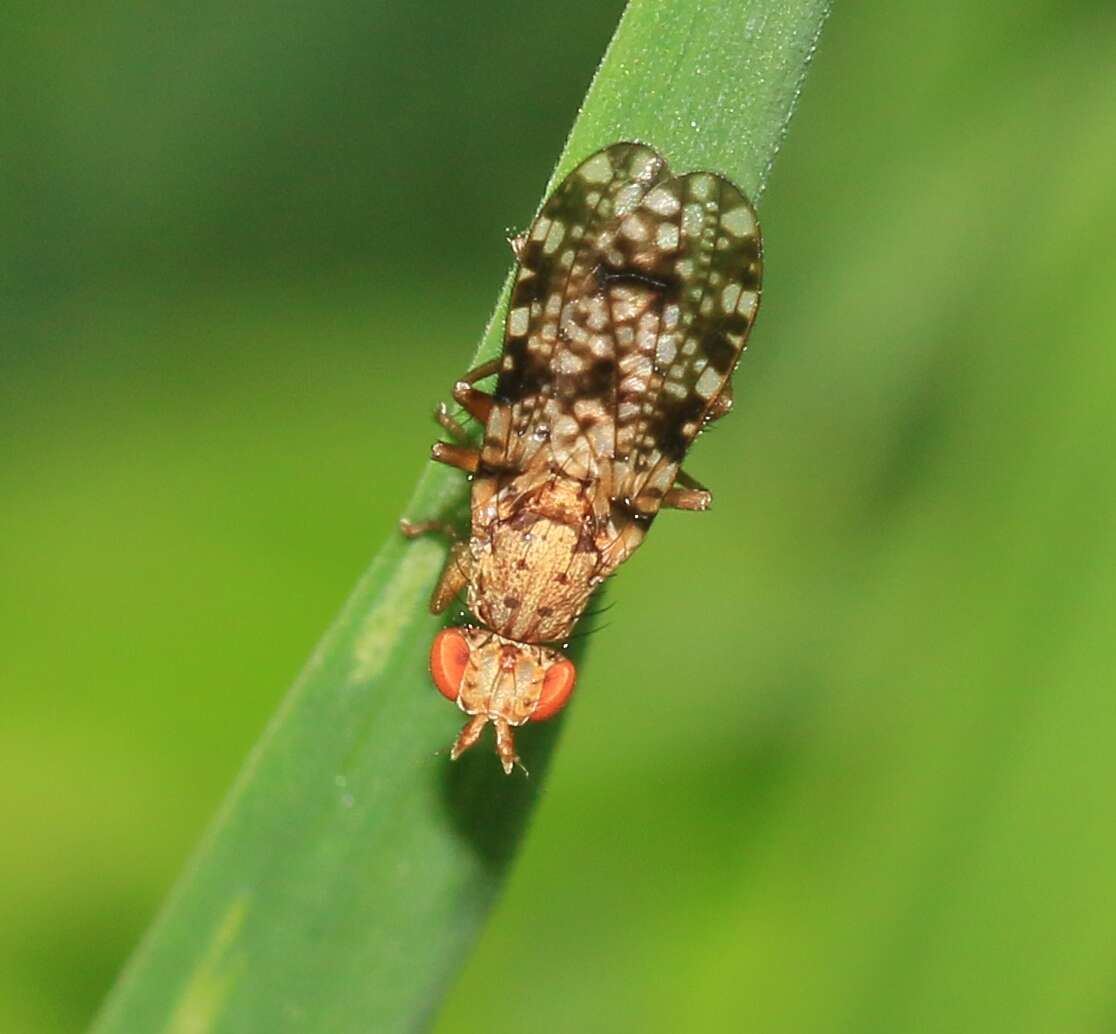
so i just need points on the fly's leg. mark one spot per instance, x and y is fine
(455, 577)
(413, 529)
(518, 243)
(478, 405)
(449, 424)
(478, 373)
(688, 494)
(721, 405)
(457, 572)
(463, 457)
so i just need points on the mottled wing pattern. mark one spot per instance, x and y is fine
(561, 353)
(632, 302)
(707, 241)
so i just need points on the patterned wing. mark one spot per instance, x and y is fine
(703, 234)
(558, 383)
(634, 295)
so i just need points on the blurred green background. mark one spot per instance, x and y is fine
(842, 760)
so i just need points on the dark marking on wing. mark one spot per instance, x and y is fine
(632, 303)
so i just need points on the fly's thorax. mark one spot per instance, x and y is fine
(535, 556)
(533, 577)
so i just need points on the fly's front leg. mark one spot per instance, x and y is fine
(688, 494)
(459, 564)
(455, 577)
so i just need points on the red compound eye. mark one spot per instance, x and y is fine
(448, 658)
(558, 684)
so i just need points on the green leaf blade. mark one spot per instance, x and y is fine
(710, 85)
(352, 866)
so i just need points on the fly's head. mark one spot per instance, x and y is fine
(501, 681)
